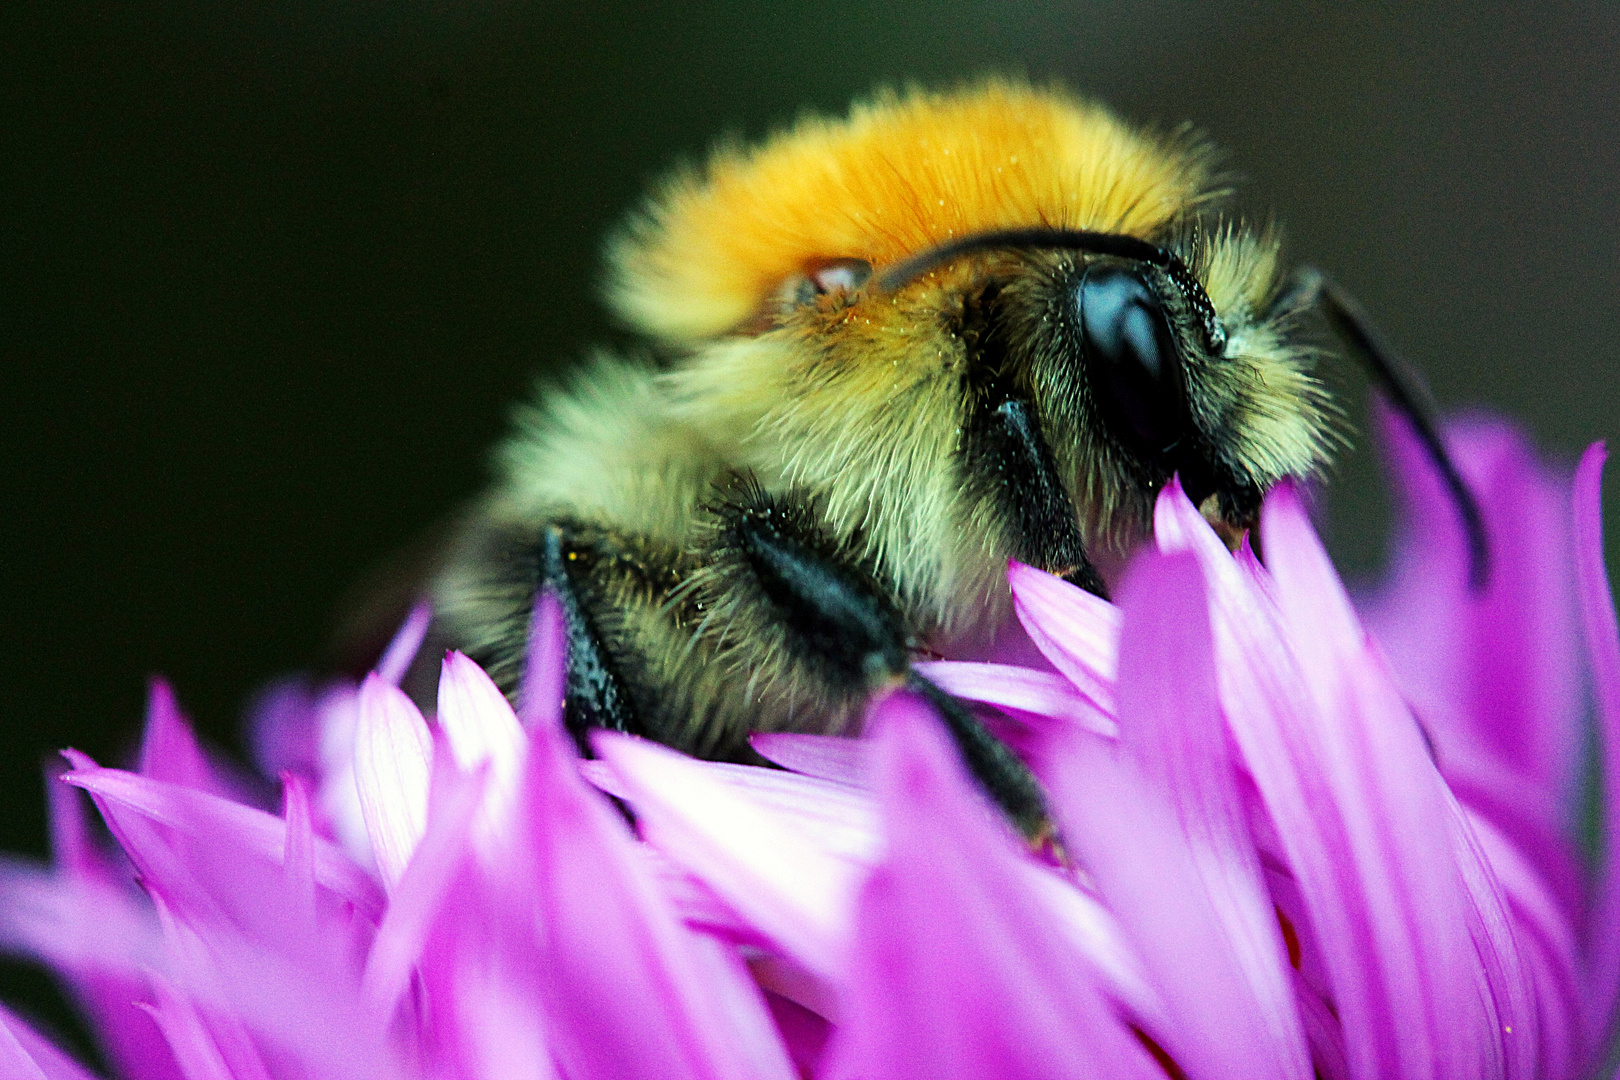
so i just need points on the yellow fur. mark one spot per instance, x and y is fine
(866, 437)
(609, 447)
(902, 174)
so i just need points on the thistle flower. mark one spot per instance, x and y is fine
(1301, 840)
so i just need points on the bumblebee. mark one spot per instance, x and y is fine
(887, 354)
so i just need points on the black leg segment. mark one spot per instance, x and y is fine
(1006, 453)
(790, 585)
(998, 770)
(595, 696)
(1004, 457)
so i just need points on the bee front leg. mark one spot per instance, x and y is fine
(797, 616)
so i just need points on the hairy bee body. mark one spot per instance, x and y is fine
(821, 471)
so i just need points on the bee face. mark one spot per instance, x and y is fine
(1139, 375)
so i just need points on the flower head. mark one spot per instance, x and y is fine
(1303, 838)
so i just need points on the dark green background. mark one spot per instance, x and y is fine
(273, 273)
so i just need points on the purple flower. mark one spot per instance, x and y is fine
(1303, 837)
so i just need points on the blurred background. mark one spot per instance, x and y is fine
(272, 275)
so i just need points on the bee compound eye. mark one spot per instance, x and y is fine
(1131, 358)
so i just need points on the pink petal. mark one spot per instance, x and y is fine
(1076, 631)
(1040, 696)
(758, 860)
(253, 832)
(499, 1021)
(482, 727)
(1008, 644)
(956, 970)
(281, 907)
(477, 717)
(1323, 1031)
(842, 818)
(72, 849)
(281, 727)
(337, 715)
(753, 880)
(629, 990)
(1603, 647)
(1313, 992)
(127, 1035)
(697, 904)
(83, 927)
(125, 1032)
(27, 1055)
(1092, 931)
(600, 775)
(831, 757)
(420, 891)
(188, 1037)
(1547, 943)
(169, 750)
(1164, 833)
(396, 659)
(393, 758)
(1493, 675)
(105, 943)
(546, 662)
(194, 946)
(255, 996)
(806, 1033)
(1412, 923)
(462, 957)
(298, 856)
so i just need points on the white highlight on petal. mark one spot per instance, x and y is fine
(795, 892)
(830, 757)
(393, 759)
(337, 713)
(481, 727)
(500, 1021)
(1076, 631)
(1023, 690)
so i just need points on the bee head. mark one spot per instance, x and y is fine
(977, 326)
(1144, 364)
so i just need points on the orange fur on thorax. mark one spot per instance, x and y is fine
(902, 174)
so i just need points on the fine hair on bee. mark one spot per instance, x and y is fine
(884, 355)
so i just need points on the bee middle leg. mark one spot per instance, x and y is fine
(794, 611)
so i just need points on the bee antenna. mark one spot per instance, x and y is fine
(1396, 379)
(1125, 247)
(1049, 239)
